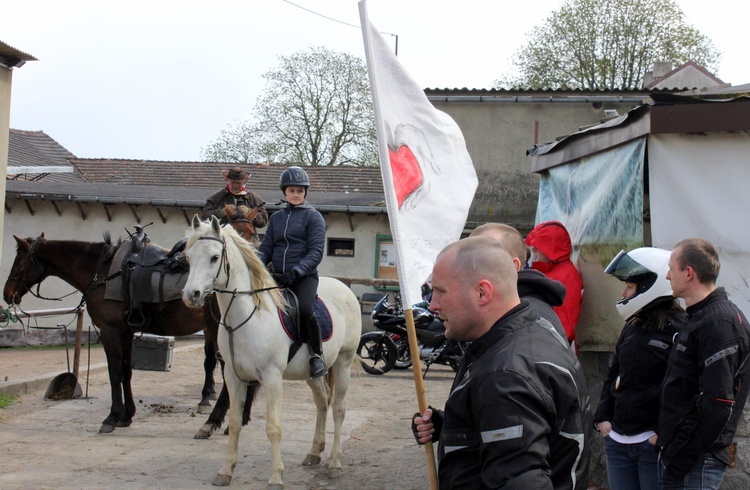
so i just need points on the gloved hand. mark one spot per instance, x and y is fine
(432, 418)
(286, 279)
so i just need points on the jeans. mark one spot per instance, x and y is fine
(631, 466)
(705, 475)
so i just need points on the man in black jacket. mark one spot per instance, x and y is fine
(518, 414)
(539, 290)
(705, 387)
(235, 192)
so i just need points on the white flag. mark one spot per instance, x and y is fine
(428, 178)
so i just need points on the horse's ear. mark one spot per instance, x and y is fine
(231, 210)
(22, 243)
(196, 222)
(216, 225)
(253, 213)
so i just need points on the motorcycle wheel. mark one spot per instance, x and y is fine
(377, 353)
(403, 358)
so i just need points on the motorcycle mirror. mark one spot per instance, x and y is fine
(379, 306)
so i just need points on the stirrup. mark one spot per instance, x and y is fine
(317, 366)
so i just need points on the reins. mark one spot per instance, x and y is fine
(34, 261)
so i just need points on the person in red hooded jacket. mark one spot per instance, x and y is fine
(550, 242)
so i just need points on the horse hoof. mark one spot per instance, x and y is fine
(226, 431)
(334, 473)
(106, 429)
(203, 409)
(275, 486)
(221, 480)
(123, 423)
(311, 460)
(202, 434)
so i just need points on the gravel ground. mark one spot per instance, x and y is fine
(56, 444)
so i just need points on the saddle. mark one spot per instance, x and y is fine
(148, 274)
(290, 320)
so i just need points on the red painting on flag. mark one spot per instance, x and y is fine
(407, 176)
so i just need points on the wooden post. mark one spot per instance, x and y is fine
(79, 336)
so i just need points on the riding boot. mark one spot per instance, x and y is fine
(317, 364)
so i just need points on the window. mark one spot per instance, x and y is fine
(385, 260)
(341, 247)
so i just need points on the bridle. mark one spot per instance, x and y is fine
(237, 218)
(235, 293)
(34, 262)
(224, 261)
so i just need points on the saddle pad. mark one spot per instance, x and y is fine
(113, 289)
(173, 285)
(324, 320)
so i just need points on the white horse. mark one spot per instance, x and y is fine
(256, 348)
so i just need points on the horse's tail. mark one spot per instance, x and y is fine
(356, 370)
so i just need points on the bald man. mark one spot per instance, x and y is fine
(539, 290)
(518, 412)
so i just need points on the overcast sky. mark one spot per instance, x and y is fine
(159, 80)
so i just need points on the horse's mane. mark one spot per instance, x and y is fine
(110, 253)
(68, 247)
(260, 278)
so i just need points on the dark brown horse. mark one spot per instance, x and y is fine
(85, 265)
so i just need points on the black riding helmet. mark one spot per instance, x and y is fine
(294, 176)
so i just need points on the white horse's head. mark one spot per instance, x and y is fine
(214, 252)
(207, 255)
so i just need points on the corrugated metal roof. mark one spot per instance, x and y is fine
(9, 53)
(543, 92)
(715, 111)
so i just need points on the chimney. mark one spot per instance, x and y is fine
(659, 69)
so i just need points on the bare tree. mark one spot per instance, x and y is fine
(607, 44)
(315, 110)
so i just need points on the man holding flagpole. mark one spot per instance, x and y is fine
(518, 414)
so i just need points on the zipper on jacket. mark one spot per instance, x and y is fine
(286, 228)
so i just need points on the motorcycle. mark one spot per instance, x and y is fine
(380, 351)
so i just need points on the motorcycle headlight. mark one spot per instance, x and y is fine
(422, 317)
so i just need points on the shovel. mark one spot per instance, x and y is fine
(64, 386)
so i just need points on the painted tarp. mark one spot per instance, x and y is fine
(599, 199)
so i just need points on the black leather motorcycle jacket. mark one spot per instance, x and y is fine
(518, 414)
(706, 384)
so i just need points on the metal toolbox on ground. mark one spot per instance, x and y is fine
(152, 352)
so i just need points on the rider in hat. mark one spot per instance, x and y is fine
(294, 243)
(235, 193)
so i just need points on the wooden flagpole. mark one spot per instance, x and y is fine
(416, 366)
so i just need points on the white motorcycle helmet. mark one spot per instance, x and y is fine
(647, 267)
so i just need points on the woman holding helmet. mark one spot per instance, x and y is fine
(294, 243)
(628, 411)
